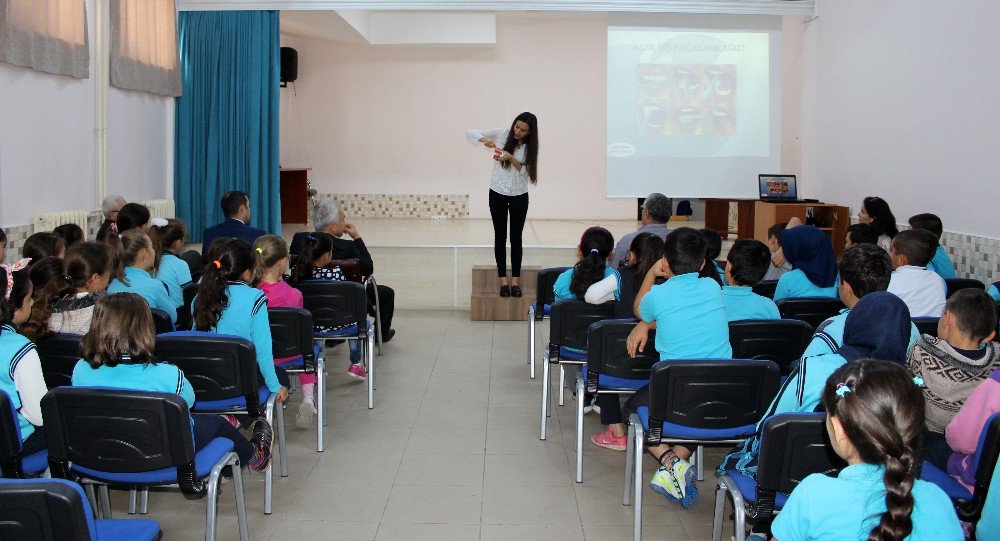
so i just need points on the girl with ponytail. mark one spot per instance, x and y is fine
(227, 304)
(595, 249)
(133, 257)
(66, 302)
(173, 271)
(875, 420)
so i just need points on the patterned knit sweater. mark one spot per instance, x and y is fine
(949, 376)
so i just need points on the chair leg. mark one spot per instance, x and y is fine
(88, 489)
(720, 507)
(269, 473)
(321, 404)
(739, 514)
(699, 467)
(579, 428)
(282, 452)
(378, 316)
(105, 501)
(241, 507)
(637, 479)
(370, 341)
(133, 496)
(211, 504)
(546, 374)
(562, 385)
(629, 457)
(531, 341)
(144, 501)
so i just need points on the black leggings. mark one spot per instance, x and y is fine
(208, 427)
(517, 205)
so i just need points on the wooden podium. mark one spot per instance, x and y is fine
(294, 189)
(754, 217)
(488, 305)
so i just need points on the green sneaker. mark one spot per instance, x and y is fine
(664, 482)
(684, 473)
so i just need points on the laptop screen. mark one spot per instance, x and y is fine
(777, 187)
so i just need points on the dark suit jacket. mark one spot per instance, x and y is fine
(343, 249)
(230, 228)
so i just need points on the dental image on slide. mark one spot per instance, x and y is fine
(686, 99)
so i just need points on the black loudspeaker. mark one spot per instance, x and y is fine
(289, 65)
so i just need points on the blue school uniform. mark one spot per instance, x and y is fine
(561, 286)
(830, 336)
(742, 303)
(794, 284)
(14, 348)
(245, 315)
(942, 264)
(175, 273)
(849, 505)
(159, 377)
(721, 271)
(690, 318)
(147, 287)
(994, 291)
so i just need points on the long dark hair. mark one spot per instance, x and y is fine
(19, 292)
(882, 412)
(596, 245)
(82, 261)
(312, 248)
(132, 216)
(531, 153)
(882, 218)
(648, 249)
(125, 248)
(228, 259)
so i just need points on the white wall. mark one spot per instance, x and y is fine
(47, 143)
(901, 102)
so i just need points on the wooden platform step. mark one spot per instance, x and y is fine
(486, 303)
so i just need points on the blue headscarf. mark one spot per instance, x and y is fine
(808, 249)
(878, 327)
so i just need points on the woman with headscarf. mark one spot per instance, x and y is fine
(878, 327)
(814, 267)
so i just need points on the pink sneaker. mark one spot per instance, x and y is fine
(356, 371)
(608, 440)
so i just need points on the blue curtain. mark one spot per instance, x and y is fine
(226, 129)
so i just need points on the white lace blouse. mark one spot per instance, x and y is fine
(508, 181)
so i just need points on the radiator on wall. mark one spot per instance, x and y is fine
(51, 220)
(160, 208)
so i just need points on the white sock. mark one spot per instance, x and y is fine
(307, 392)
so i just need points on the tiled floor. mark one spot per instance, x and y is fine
(451, 451)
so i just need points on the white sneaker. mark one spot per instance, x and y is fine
(305, 415)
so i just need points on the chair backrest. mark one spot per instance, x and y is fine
(780, 340)
(350, 267)
(10, 440)
(291, 333)
(184, 321)
(335, 303)
(956, 284)
(927, 325)
(219, 367)
(571, 321)
(792, 447)
(987, 454)
(59, 354)
(44, 510)
(812, 310)
(608, 355)
(766, 288)
(161, 321)
(116, 431)
(712, 394)
(194, 262)
(546, 281)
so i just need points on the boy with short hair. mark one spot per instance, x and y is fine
(861, 234)
(961, 357)
(941, 263)
(921, 289)
(746, 265)
(778, 264)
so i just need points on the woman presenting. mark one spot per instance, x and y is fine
(516, 155)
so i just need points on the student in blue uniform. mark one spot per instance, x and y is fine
(595, 248)
(814, 267)
(941, 263)
(20, 369)
(875, 417)
(746, 265)
(226, 304)
(134, 257)
(713, 243)
(124, 360)
(173, 271)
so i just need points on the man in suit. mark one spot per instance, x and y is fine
(328, 217)
(236, 209)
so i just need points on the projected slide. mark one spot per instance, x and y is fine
(689, 107)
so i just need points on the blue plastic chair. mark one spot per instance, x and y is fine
(792, 447)
(969, 506)
(133, 438)
(697, 402)
(12, 463)
(58, 355)
(541, 308)
(812, 310)
(927, 325)
(223, 371)
(53, 510)
(292, 337)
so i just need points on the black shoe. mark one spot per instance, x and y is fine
(387, 335)
(505, 291)
(515, 291)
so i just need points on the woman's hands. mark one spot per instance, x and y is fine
(487, 142)
(282, 394)
(636, 341)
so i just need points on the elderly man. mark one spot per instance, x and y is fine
(328, 217)
(236, 208)
(656, 211)
(110, 207)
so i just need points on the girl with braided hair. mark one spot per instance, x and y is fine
(875, 419)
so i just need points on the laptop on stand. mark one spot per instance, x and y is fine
(778, 188)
